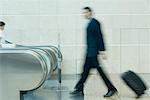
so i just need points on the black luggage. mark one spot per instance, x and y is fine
(134, 82)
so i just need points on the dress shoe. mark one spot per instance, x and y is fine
(139, 95)
(77, 92)
(111, 93)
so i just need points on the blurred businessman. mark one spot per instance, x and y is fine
(95, 46)
(2, 26)
(2, 35)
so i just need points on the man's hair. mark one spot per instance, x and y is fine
(88, 8)
(2, 23)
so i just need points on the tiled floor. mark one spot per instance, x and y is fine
(94, 89)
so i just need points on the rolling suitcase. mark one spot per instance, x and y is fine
(134, 82)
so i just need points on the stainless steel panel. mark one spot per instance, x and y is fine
(26, 68)
(54, 54)
(20, 69)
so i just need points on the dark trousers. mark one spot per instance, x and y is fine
(92, 62)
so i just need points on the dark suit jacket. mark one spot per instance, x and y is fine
(95, 42)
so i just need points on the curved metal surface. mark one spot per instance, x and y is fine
(54, 52)
(48, 58)
(54, 48)
(59, 58)
(26, 68)
(21, 69)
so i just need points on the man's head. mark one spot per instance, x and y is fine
(87, 12)
(2, 25)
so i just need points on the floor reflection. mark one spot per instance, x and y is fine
(94, 89)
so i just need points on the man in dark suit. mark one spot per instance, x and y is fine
(95, 46)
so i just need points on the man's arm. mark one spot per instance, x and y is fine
(100, 40)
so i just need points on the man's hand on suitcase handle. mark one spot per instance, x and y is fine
(103, 55)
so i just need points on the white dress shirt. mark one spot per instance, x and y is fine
(2, 37)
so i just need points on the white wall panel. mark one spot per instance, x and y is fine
(123, 22)
(19, 7)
